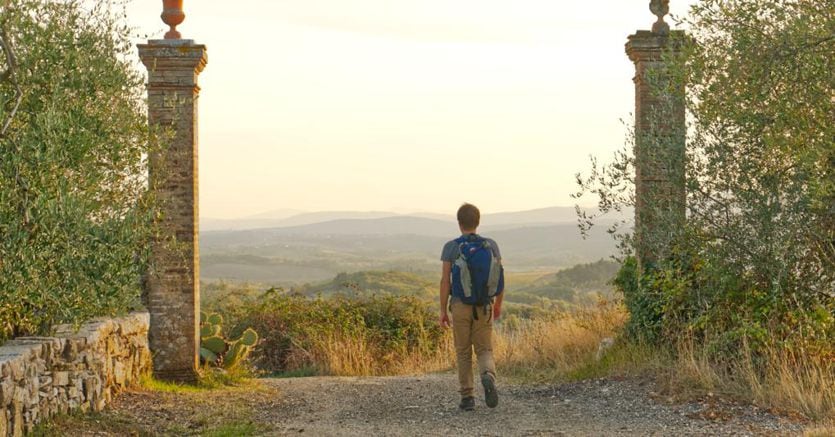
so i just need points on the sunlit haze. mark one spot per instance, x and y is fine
(405, 105)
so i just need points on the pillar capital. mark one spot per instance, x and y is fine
(645, 45)
(173, 54)
(173, 63)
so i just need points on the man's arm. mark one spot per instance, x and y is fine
(444, 295)
(497, 306)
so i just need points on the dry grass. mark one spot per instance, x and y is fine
(529, 351)
(554, 349)
(565, 348)
(346, 356)
(820, 431)
(779, 379)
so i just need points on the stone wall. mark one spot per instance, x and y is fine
(75, 370)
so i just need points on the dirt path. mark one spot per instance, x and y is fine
(427, 405)
(424, 405)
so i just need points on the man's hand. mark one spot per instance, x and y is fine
(497, 306)
(444, 320)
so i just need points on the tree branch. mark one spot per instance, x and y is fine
(9, 75)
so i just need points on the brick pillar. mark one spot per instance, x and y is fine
(173, 284)
(659, 144)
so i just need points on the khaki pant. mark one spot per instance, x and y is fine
(469, 333)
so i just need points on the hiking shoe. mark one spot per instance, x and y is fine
(467, 403)
(491, 396)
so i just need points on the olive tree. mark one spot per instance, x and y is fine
(75, 209)
(756, 258)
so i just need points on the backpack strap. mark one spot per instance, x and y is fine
(486, 308)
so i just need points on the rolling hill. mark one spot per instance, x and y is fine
(319, 251)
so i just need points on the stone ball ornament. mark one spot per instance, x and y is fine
(660, 8)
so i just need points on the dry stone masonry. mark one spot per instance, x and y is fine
(83, 370)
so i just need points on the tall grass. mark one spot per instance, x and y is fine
(555, 347)
(780, 379)
(342, 356)
(565, 347)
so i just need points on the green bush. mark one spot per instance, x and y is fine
(298, 331)
(74, 209)
(698, 300)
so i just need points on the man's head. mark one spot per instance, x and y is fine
(468, 218)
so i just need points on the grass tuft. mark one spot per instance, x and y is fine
(241, 429)
(148, 382)
(209, 378)
(827, 430)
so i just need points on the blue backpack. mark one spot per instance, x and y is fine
(477, 275)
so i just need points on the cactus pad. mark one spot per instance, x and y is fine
(214, 344)
(209, 331)
(214, 319)
(207, 355)
(249, 337)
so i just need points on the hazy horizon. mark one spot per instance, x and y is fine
(289, 212)
(415, 105)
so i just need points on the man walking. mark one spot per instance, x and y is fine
(473, 277)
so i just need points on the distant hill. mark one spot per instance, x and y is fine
(320, 251)
(282, 248)
(292, 218)
(582, 283)
(286, 218)
(392, 283)
(556, 214)
(277, 214)
(328, 216)
(594, 275)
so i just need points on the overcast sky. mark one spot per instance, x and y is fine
(405, 105)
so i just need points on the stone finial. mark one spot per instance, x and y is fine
(172, 15)
(660, 8)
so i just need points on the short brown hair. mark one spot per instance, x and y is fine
(468, 216)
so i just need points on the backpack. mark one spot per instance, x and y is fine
(477, 275)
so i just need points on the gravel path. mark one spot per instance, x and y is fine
(427, 405)
(417, 406)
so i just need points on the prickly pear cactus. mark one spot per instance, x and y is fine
(239, 349)
(218, 351)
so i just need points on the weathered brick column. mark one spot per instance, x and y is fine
(173, 282)
(660, 132)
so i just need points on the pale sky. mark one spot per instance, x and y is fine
(407, 105)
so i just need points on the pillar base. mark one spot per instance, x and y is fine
(184, 376)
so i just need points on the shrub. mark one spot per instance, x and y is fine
(341, 336)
